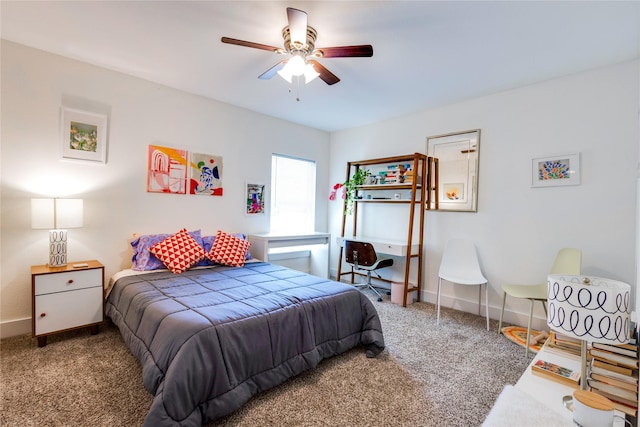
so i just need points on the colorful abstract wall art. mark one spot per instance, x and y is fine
(206, 175)
(556, 170)
(255, 199)
(167, 170)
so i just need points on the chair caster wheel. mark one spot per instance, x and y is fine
(379, 299)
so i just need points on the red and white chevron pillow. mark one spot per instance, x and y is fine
(178, 252)
(228, 249)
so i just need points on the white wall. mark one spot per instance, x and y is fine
(36, 84)
(518, 229)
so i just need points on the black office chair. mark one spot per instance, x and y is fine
(362, 256)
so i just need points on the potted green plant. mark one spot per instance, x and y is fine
(349, 189)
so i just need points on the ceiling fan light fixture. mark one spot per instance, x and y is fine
(297, 65)
(310, 73)
(286, 73)
(299, 42)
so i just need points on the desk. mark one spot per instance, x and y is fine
(396, 248)
(261, 244)
(383, 246)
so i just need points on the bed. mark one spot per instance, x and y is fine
(212, 337)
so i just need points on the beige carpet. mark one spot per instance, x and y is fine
(428, 376)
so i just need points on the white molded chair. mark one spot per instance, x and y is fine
(460, 265)
(568, 261)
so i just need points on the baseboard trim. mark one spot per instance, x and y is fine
(12, 328)
(510, 317)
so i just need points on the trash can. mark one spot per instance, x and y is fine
(397, 289)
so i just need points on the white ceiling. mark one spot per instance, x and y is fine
(426, 53)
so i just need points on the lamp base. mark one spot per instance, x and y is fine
(57, 248)
(583, 365)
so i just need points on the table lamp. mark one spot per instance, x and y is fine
(57, 215)
(591, 309)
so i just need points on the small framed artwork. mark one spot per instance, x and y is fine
(551, 171)
(84, 135)
(453, 192)
(255, 197)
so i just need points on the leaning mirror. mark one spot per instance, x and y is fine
(456, 180)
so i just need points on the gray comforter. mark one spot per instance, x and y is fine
(209, 339)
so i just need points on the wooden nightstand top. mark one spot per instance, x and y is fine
(45, 269)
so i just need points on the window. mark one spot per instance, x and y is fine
(293, 195)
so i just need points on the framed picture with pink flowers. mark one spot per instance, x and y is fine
(83, 135)
(552, 171)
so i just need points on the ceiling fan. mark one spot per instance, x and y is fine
(299, 44)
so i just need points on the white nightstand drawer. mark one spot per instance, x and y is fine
(66, 310)
(68, 281)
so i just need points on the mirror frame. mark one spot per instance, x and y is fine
(469, 200)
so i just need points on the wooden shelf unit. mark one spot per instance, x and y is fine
(424, 172)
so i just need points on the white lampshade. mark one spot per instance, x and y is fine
(42, 214)
(69, 213)
(592, 309)
(57, 215)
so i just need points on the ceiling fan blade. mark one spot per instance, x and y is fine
(250, 44)
(273, 70)
(327, 76)
(297, 25)
(364, 50)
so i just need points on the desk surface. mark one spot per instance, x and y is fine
(548, 392)
(263, 244)
(384, 246)
(292, 236)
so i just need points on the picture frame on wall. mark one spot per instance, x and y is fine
(458, 162)
(555, 170)
(255, 199)
(83, 135)
(167, 170)
(205, 171)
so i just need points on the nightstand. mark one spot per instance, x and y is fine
(66, 298)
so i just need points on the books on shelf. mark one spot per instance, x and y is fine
(612, 367)
(556, 373)
(628, 408)
(616, 382)
(563, 344)
(613, 373)
(630, 350)
(625, 396)
(615, 358)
